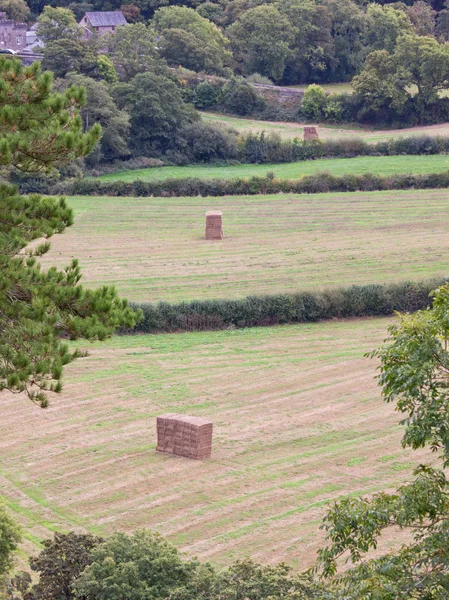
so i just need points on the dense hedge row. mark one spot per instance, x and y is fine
(310, 184)
(354, 301)
(262, 148)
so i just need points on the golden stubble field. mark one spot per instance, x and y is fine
(298, 422)
(153, 249)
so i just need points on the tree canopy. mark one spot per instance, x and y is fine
(38, 310)
(414, 375)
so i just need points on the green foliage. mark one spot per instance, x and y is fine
(157, 111)
(101, 108)
(206, 95)
(106, 69)
(240, 98)
(38, 128)
(133, 50)
(70, 55)
(253, 311)
(385, 25)
(413, 374)
(314, 103)
(17, 10)
(58, 565)
(134, 567)
(406, 82)
(261, 40)
(414, 365)
(208, 143)
(190, 40)
(38, 309)
(56, 23)
(312, 48)
(10, 537)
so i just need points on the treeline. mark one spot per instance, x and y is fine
(147, 108)
(287, 41)
(303, 307)
(309, 184)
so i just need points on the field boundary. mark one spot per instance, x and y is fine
(308, 184)
(255, 311)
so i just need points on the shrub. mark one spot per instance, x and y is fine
(314, 103)
(207, 143)
(258, 78)
(240, 98)
(206, 95)
(353, 301)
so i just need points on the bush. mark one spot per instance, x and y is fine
(240, 98)
(208, 143)
(258, 78)
(314, 103)
(353, 301)
(207, 95)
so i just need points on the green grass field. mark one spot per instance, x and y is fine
(325, 131)
(383, 165)
(298, 422)
(154, 249)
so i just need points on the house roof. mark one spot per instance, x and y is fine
(106, 18)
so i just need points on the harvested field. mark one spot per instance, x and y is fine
(298, 421)
(154, 248)
(327, 131)
(379, 165)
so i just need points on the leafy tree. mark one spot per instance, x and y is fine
(426, 62)
(40, 129)
(17, 10)
(236, 8)
(442, 25)
(10, 536)
(101, 108)
(312, 48)
(206, 143)
(385, 25)
(131, 12)
(414, 367)
(134, 567)
(261, 39)
(381, 88)
(133, 50)
(70, 56)
(56, 24)
(422, 17)
(190, 40)
(211, 11)
(348, 30)
(61, 562)
(157, 111)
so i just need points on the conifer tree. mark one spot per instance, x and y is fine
(39, 131)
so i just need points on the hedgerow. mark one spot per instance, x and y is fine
(309, 184)
(354, 301)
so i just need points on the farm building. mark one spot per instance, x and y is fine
(102, 22)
